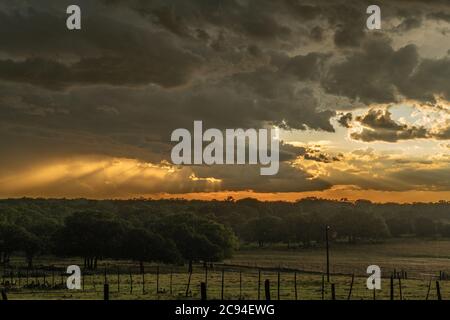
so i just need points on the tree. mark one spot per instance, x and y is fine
(196, 238)
(398, 226)
(354, 224)
(10, 235)
(424, 227)
(264, 229)
(145, 246)
(30, 244)
(90, 234)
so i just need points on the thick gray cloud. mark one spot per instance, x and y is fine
(379, 126)
(140, 69)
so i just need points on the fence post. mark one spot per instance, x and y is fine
(223, 282)
(206, 274)
(157, 279)
(106, 292)
(323, 287)
(351, 287)
(400, 288)
(295, 285)
(143, 280)
(259, 284)
(131, 282)
(438, 291)
(240, 285)
(189, 282)
(4, 295)
(170, 282)
(428, 291)
(392, 287)
(118, 279)
(267, 289)
(82, 279)
(203, 291)
(278, 286)
(333, 292)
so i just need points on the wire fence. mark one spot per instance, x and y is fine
(221, 282)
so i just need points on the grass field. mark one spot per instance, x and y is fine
(421, 259)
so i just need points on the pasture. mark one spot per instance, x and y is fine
(293, 274)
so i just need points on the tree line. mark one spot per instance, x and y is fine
(95, 235)
(178, 231)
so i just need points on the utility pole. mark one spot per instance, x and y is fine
(328, 252)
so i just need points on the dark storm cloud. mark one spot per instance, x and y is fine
(430, 78)
(345, 119)
(318, 156)
(139, 69)
(379, 126)
(107, 51)
(241, 178)
(439, 16)
(374, 73)
(409, 24)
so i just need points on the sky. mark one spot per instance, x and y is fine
(89, 113)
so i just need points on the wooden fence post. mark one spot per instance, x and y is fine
(189, 282)
(157, 279)
(295, 285)
(438, 291)
(267, 289)
(392, 288)
(203, 291)
(170, 282)
(278, 286)
(143, 280)
(131, 282)
(428, 291)
(240, 285)
(259, 284)
(351, 287)
(323, 287)
(223, 283)
(118, 279)
(4, 295)
(206, 274)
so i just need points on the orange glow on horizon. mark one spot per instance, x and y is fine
(332, 194)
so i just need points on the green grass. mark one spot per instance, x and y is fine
(421, 259)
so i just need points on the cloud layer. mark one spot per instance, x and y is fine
(140, 69)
